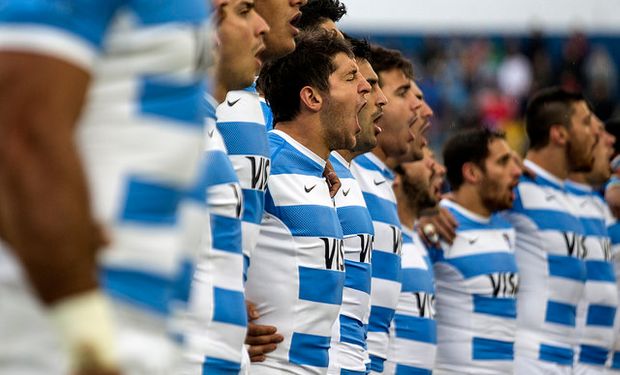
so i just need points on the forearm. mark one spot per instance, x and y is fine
(44, 210)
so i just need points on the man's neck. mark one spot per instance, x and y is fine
(579, 177)
(378, 152)
(468, 197)
(552, 160)
(303, 131)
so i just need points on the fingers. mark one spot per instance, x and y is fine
(257, 331)
(252, 311)
(334, 184)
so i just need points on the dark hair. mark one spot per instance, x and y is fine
(310, 64)
(548, 107)
(469, 146)
(360, 47)
(316, 12)
(383, 60)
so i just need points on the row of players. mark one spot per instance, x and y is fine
(320, 262)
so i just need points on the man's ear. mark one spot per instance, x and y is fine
(311, 98)
(558, 134)
(471, 172)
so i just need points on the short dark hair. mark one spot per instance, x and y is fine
(316, 12)
(468, 146)
(383, 60)
(310, 64)
(360, 47)
(547, 107)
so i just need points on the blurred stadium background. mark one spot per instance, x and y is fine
(478, 60)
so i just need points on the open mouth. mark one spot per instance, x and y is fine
(293, 22)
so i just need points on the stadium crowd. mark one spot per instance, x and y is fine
(238, 187)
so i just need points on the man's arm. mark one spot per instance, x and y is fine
(45, 215)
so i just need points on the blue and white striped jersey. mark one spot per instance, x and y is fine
(215, 337)
(348, 351)
(549, 254)
(413, 333)
(141, 130)
(477, 280)
(376, 180)
(242, 120)
(296, 276)
(613, 229)
(597, 309)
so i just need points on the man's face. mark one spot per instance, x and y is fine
(500, 176)
(280, 15)
(399, 115)
(417, 182)
(582, 139)
(604, 149)
(421, 125)
(346, 98)
(371, 113)
(240, 31)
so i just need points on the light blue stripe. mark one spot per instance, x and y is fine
(567, 267)
(180, 102)
(376, 364)
(341, 170)
(352, 331)
(150, 203)
(484, 349)
(351, 372)
(410, 370)
(364, 162)
(307, 220)
(600, 315)
(87, 20)
(417, 280)
(319, 285)
(599, 270)
(560, 313)
(614, 233)
(386, 266)
(615, 362)
(594, 227)
(380, 318)
(554, 220)
(137, 287)
(593, 355)
(226, 233)
(216, 366)
(415, 328)
(483, 264)
(219, 169)
(556, 354)
(267, 115)
(309, 350)
(502, 307)
(158, 12)
(382, 210)
(355, 220)
(466, 224)
(244, 138)
(358, 275)
(286, 159)
(253, 205)
(229, 307)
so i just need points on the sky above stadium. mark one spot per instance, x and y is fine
(597, 16)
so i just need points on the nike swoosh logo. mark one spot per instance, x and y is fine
(473, 240)
(346, 192)
(378, 182)
(309, 189)
(230, 104)
(549, 197)
(210, 133)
